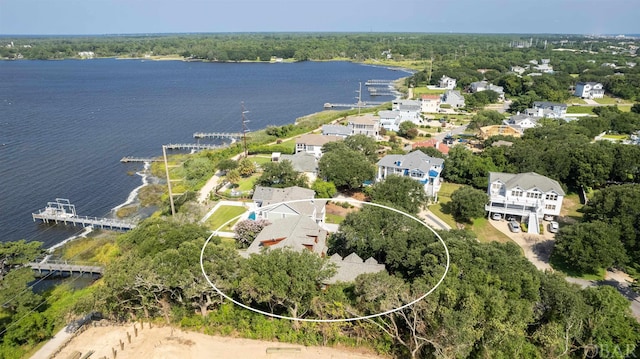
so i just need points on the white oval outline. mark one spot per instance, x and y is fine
(349, 200)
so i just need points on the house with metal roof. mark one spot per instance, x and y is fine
(267, 203)
(453, 98)
(559, 110)
(527, 195)
(416, 165)
(521, 122)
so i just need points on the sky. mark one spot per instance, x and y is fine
(92, 17)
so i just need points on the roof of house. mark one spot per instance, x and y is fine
(438, 145)
(351, 266)
(526, 181)
(367, 119)
(547, 104)
(296, 232)
(389, 114)
(337, 130)
(414, 160)
(302, 161)
(317, 140)
(430, 97)
(519, 118)
(270, 196)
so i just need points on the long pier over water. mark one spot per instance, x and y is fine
(46, 268)
(62, 211)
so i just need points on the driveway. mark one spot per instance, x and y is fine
(537, 249)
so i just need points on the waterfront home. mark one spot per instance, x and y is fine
(429, 103)
(416, 165)
(368, 125)
(529, 196)
(589, 90)
(447, 82)
(266, 203)
(336, 130)
(453, 98)
(406, 105)
(312, 143)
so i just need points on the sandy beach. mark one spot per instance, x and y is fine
(168, 342)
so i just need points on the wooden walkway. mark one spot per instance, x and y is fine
(62, 211)
(45, 268)
(217, 135)
(353, 105)
(192, 146)
(139, 159)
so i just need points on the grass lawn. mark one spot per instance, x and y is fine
(333, 218)
(247, 183)
(261, 159)
(426, 91)
(222, 215)
(571, 206)
(580, 109)
(487, 233)
(570, 272)
(624, 108)
(444, 197)
(610, 100)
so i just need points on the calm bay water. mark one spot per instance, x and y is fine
(64, 125)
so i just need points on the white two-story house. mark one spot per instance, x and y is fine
(312, 143)
(416, 165)
(527, 195)
(447, 82)
(589, 90)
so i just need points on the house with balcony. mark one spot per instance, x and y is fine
(267, 203)
(368, 125)
(589, 90)
(550, 109)
(391, 120)
(312, 143)
(406, 105)
(416, 165)
(529, 196)
(447, 82)
(430, 103)
(302, 162)
(521, 122)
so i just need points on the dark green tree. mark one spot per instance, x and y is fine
(280, 175)
(468, 203)
(346, 168)
(400, 192)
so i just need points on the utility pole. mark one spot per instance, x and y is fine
(244, 130)
(430, 70)
(359, 97)
(166, 169)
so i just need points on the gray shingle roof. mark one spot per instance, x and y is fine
(302, 161)
(268, 196)
(526, 181)
(337, 130)
(317, 140)
(351, 266)
(414, 160)
(296, 232)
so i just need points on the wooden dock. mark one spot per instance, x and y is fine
(217, 135)
(62, 211)
(353, 105)
(139, 159)
(60, 269)
(192, 146)
(379, 83)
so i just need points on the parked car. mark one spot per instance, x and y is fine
(496, 216)
(514, 226)
(553, 227)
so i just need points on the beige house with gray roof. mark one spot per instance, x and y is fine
(267, 203)
(296, 233)
(312, 143)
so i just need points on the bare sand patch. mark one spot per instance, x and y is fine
(168, 342)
